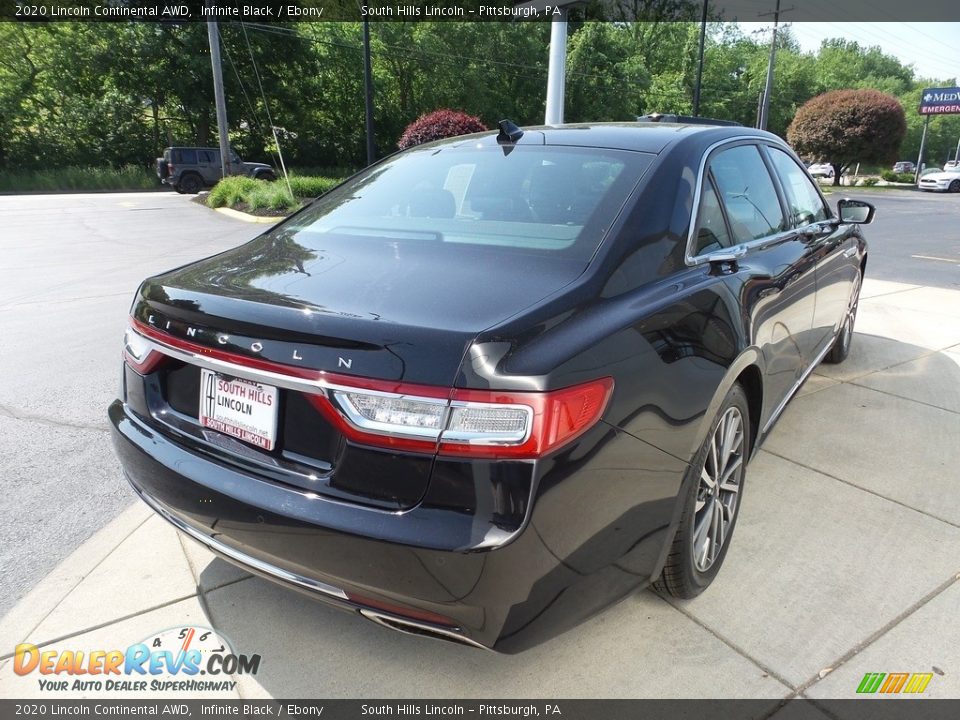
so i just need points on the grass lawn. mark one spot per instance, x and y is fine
(128, 177)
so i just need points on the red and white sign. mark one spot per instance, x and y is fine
(243, 409)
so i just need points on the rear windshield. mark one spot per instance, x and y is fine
(532, 198)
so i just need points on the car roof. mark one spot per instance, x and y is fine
(651, 137)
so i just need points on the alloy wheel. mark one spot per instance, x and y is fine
(719, 489)
(851, 317)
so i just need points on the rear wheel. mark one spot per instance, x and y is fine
(268, 176)
(190, 184)
(955, 186)
(841, 346)
(715, 481)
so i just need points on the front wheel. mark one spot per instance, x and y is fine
(841, 346)
(714, 484)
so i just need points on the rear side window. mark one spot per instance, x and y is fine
(188, 157)
(747, 192)
(806, 205)
(533, 198)
(711, 226)
(209, 156)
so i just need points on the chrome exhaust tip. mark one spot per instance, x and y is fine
(412, 627)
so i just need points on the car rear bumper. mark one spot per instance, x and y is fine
(490, 589)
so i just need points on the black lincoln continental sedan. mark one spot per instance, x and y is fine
(493, 384)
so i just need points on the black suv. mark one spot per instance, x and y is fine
(490, 385)
(189, 169)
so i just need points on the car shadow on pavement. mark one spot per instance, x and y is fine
(831, 488)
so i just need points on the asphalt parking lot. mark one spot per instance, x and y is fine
(846, 557)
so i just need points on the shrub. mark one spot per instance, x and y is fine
(891, 176)
(261, 195)
(311, 187)
(438, 125)
(870, 181)
(231, 191)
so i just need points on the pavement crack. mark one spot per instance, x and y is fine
(108, 623)
(202, 596)
(39, 419)
(860, 487)
(860, 647)
(730, 644)
(900, 397)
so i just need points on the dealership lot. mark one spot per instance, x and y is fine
(845, 560)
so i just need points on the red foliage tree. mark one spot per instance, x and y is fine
(847, 126)
(438, 125)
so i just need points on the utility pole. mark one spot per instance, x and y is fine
(703, 37)
(923, 145)
(213, 35)
(765, 110)
(368, 94)
(557, 68)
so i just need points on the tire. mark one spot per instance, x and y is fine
(954, 186)
(190, 184)
(266, 176)
(695, 556)
(841, 346)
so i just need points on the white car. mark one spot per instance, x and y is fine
(824, 170)
(943, 181)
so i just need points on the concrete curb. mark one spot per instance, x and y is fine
(24, 617)
(246, 217)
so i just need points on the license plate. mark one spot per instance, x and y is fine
(241, 408)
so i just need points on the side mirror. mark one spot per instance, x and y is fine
(856, 212)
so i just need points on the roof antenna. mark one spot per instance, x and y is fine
(509, 132)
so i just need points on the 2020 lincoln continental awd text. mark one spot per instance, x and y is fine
(492, 384)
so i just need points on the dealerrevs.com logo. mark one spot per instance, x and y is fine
(184, 659)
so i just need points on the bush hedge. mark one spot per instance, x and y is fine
(891, 176)
(438, 125)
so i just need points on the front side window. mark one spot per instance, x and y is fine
(806, 205)
(554, 200)
(748, 194)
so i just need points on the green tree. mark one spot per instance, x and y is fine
(846, 126)
(606, 79)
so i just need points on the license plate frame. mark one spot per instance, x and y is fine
(244, 409)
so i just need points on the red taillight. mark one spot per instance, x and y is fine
(138, 354)
(559, 416)
(492, 424)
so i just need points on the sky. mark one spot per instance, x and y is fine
(932, 48)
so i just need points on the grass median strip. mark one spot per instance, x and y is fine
(258, 197)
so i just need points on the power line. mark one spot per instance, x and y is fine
(266, 107)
